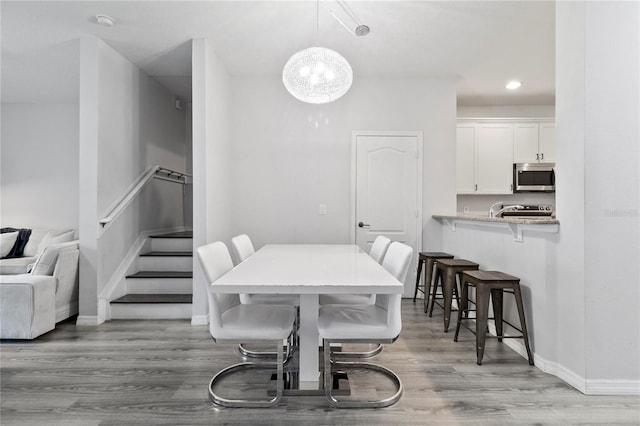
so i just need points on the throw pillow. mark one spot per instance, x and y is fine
(37, 235)
(7, 241)
(46, 263)
(50, 239)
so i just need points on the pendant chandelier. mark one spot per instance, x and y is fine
(317, 75)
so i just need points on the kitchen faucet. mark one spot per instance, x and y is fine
(493, 213)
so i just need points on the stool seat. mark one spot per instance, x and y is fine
(451, 269)
(435, 254)
(490, 276)
(456, 263)
(428, 258)
(492, 285)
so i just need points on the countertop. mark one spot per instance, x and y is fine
(535, 220)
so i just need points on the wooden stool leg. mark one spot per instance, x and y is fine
(523, 323)
(482, 313)
(437, 279)
(457, 283)
(427, 282)
(448, 286)
(496, 299)
(465, 301)
(418, 276)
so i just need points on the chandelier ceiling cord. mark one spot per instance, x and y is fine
(317, 75)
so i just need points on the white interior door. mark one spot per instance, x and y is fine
(388, 191)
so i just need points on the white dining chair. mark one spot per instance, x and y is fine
(242, 250)
(377, 252)
(231, 321)
(366, 323)
(379, 248)
(242, 247)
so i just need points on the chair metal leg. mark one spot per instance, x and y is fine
(248, 353)
(358, 354)
(497, 298)
(482, 314)
(328, 381)
(418, 276)
(523, 322)
(463, 309)
(427, 283)
(225, 402)
(437, 280)
(448, 285)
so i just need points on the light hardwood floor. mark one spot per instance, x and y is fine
(156, 373)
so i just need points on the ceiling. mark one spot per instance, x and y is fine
(482, 44)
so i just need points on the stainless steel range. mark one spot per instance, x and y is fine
(528, 210)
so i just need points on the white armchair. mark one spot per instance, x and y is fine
(31, 304)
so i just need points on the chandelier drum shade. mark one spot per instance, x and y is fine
(317, 75)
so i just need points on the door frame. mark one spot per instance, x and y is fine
(392, 133)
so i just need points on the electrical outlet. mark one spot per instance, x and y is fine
(465, 209)
(322, 209)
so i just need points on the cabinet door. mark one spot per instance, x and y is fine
(547, 144)
(525, 143)
(465, 154)
(494, 159)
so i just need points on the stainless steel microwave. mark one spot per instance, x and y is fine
(534, 177)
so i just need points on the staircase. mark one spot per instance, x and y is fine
(162, 288)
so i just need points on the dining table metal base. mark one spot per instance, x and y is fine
(292, 385)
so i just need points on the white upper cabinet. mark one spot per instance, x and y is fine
(465, 158)
(484, 154)
(547, 142)
(534, 142)
(494, 159)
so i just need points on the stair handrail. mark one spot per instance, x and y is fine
(153, 172)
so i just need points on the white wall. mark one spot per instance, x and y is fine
(188, 194)
(39, 166)
(289, 157)
(597, 252)
(211, 161)
(133, 125)
(612, 183)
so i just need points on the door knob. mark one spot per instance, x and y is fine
(363, 225)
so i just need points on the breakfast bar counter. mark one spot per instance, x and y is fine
(533, 220)
(516, 224)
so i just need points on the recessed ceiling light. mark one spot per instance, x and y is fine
(513, 85)
(104, 20)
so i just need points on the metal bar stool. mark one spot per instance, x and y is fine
(491, 284)
(428, 259)
(452, 270)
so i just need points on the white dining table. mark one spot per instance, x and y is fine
(308, 270)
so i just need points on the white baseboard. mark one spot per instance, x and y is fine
(88, 320)
(199, 320)
(586, 386)
(613, 387)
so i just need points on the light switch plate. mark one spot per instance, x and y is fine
(322, 209)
